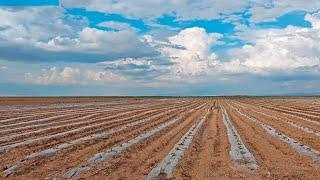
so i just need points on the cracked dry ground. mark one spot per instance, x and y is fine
(160, 138)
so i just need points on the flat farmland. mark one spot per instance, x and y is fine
(160, 138)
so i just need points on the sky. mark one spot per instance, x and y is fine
(143, 47)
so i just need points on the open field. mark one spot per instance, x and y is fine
(159, 138)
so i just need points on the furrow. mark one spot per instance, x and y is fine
(299, 117)
(78, 122)
(45, 123)
(101, 135)
(302, 115)
(118, 150)
(167, 166)
(238, 150)
(291, 123)
(32, 141)
(15, 136)
(75, 111)
(51, 124)
(141, 158)
(305, 129)
(299, 147)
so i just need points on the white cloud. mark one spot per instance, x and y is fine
(42, 33)
(267, 10)
(114, 25)
(67, 75)
(138, 68)
(145, 9)
(72, 76)
(91, 40)
(190, 51)
(30, 25)
(283, 50)
(314, 19)
(104, 76)
(185, 54)
(260, 10)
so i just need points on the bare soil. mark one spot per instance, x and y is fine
(27, 122)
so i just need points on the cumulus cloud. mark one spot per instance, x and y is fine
(314, 19)
(194, 56)
(123, 54)
(72, 76)
(104, 76)
(260, 10)
(185, 54)
(284, 50)
(139, 68)
(48, 34)
(30, 25)
(67, 75)
(92, 40)
(266, 10)
(189, 51)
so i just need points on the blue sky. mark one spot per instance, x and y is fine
(29, 3)
(105, 47)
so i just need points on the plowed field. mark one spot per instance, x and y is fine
(160, 138)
